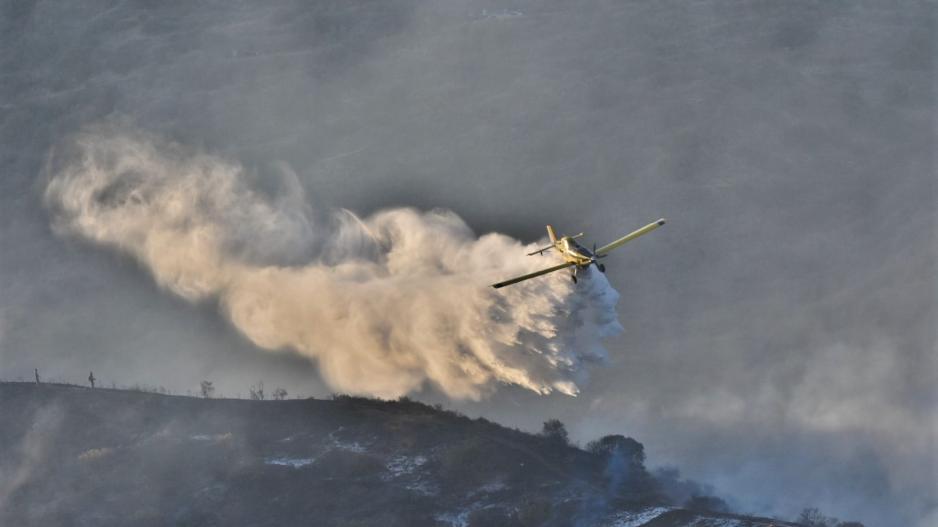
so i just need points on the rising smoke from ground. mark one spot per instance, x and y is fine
(382, 303)
(20, 468)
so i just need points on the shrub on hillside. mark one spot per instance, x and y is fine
(555, 431)
(630, 450)
(812, 517)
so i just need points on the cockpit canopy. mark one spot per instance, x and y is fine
(570, 245)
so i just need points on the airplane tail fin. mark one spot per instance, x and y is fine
(552, 234)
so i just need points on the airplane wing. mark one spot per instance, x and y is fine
(541, 250)
(629, 237)
(533, 275)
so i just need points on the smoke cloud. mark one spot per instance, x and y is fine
(17, 471)
(382, 303)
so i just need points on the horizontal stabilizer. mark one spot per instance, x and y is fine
(541, 250)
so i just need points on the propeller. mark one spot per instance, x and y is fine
(601, 267)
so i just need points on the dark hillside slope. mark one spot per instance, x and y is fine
(75, 456)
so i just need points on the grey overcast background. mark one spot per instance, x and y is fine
(779, 336)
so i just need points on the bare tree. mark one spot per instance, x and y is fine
(207, 389)
(91, 379)
(37, 375)
(257, 392)
(812, 517)
(280, 394)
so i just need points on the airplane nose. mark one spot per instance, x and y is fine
(662, 221)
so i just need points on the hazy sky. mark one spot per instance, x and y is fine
(779, 332)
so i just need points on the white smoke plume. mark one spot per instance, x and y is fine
(382, 303)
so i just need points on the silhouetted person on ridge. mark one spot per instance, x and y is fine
(37, 375)
(91, 379)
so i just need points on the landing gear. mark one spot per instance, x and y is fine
(601, 267)
(573, 276)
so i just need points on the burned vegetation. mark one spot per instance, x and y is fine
(75, 456)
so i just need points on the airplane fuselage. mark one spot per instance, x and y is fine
(574, 252)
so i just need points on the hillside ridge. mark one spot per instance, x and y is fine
(113, 457)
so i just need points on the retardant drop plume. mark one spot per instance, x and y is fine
(382, 303)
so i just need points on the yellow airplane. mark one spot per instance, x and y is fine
(577, 256)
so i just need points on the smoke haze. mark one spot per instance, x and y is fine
(779, 334)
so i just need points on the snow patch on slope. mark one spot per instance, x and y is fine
(403, 465)
(455, 519)
(407, 468)
(637, 518)
(289, 461)
(212, 437)
(700, 521)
